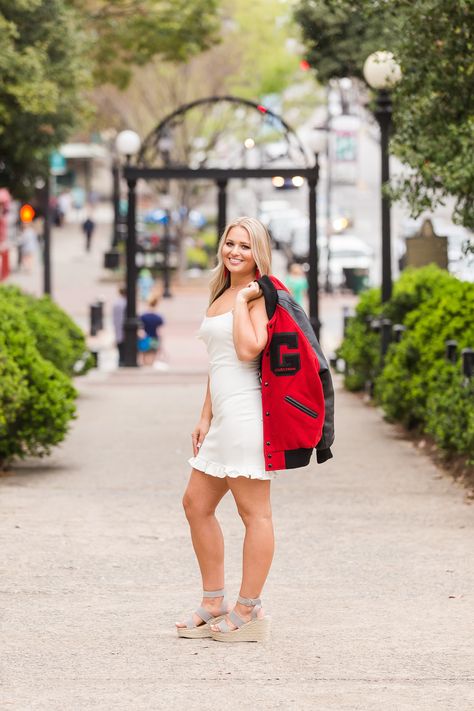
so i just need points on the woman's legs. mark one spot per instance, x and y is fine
(201, 497)
(253, 503)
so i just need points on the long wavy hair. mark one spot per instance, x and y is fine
(261, 251)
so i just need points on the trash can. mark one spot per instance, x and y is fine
(112, 259)
(356, 278)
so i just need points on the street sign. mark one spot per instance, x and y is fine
(346, 146)
(57, 163)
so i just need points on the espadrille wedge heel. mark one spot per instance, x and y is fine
(200, 630)
(256, 630)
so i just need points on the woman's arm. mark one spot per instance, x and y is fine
(202, 427)
(250, 323)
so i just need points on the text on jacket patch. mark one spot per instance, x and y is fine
(282, 362)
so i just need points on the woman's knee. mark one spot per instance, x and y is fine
(252, 517)
(196, 509)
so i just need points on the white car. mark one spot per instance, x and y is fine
(349, 257)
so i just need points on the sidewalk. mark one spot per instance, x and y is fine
(370, 589)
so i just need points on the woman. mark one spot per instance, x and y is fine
(228, 441)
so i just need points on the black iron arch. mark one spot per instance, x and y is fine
(176, 117)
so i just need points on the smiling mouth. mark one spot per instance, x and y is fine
(235, 261)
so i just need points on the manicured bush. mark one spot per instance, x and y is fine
(361, 346)
(56, 336)
(36, 399)
(412, 367)
(450, 412)
(414, 384)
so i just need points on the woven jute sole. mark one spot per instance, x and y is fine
(253, 631)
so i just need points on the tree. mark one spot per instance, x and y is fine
(43, 73)
(433, 104)
(338, 35)
(52, 50)
(132, 32)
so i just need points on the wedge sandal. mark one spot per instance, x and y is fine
(196, 631)
(256, 630)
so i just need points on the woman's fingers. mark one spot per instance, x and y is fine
(198, 438)
(194, 437)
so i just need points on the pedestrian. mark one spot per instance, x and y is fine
(252, 329)
(145, 283)
(64, 206)
(27, 245)
(88, 227)
(297, 283)
(119, 308)
(149, 342)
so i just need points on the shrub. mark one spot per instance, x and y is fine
(36, 399)
(450, 412)
(412, 367)
(56, 336)
(416, 385)
(361, 346)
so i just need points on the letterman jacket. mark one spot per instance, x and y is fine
(297, 391)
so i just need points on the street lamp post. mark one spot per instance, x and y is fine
(382, 72)
(128, 144)
(313, 276)
(165, 145)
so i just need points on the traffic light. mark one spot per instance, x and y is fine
(27, 213)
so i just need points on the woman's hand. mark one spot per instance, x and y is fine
(198, 435)
(250, 292)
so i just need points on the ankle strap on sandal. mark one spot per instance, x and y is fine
(213, 593)
(249, 601)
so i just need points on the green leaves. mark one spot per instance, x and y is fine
(132, 32)
(415, 385)
(36, 399)
(54, 50)
(433, 104)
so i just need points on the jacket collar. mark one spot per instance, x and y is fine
(269, 286)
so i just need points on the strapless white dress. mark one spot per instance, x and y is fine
(234, 444)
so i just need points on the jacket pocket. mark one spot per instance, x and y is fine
(300, 406)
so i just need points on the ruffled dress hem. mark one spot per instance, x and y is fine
(222, 470)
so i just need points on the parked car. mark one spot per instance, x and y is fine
(350, 261)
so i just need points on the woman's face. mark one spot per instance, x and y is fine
(237, 253)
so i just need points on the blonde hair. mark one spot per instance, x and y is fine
(261, 252)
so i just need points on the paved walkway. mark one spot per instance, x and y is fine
(371, 590)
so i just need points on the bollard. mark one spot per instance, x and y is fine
(398, 331)
(386, 334)
(451, 351)
(94, 314)
(467, 355)
(375, 325)
(95, 358)
(345, 319)
(100, 314)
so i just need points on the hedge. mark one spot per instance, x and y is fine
(37, 398)
(56, 335)
(414, 384)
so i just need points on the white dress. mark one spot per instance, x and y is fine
(234, 444)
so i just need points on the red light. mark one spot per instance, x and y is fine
(304, 65)
(27, 213)
(262, 109)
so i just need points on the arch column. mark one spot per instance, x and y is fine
(313, 276)
(221, 206)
